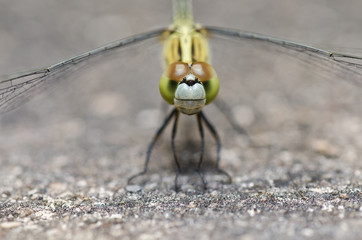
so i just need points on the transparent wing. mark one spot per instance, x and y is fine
(346, 66)
(104, 105)
(286, 95)
(17, 89)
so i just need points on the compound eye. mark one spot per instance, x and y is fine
(203, 71)
(177, 71)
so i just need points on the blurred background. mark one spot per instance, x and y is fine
(36, 33)
(93, 118)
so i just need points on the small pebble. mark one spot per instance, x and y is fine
(9, 225)
(133, 188)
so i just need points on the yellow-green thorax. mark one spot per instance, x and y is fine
(185, 43)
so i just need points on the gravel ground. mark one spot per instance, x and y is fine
(66, 155)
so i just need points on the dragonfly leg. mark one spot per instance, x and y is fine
(201, 130)
(153, 142)
(218, 144)
(174, 131)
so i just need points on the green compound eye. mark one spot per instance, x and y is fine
(174, 73)
(167, 88)
(207, 75)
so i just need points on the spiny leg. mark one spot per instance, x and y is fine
(218, 144)
(174, 131)
(201, 131)
(153, 142)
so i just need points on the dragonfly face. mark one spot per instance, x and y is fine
(190, 96)
(189, 87)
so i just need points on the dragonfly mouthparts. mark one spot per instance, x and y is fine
(190, 82)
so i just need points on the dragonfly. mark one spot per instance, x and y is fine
(189, 82)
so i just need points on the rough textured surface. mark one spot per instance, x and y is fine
(66, 155)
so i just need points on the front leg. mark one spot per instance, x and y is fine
(175, 113)
(218, 144)
(201, 131)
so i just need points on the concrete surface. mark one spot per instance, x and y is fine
(66, 155)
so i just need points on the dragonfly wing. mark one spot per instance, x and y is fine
(17, 89)
(104, 107)
(285, 94)
(347, 66)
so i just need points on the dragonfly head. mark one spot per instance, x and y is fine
(189, 87)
